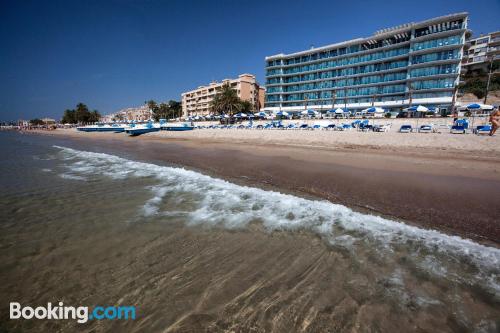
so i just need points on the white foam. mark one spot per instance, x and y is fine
(72, 177)
(234, 206)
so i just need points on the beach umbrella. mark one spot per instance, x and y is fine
(283, 114)
(374, 110)
(417, 108)
(476, 106)
(309, 112)
(260, 114)
(241, 115)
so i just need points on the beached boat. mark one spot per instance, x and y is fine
(178, 127)
(102, 128)
(143, 129)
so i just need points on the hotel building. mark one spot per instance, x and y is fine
(415, 63)
(197, 102)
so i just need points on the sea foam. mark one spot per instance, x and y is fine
(221, 203)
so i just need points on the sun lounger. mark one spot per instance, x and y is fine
(457, 129)
(304, 126)
(483, 129)
(344, 127)
(442, 128)
(382, 128)
(425, 129)
(405, 129)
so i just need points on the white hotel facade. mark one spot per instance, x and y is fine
(415, 63)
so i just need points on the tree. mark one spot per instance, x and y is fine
(175, 109)
(36, 122)
(69, 117)
(94, 116)
(82, 113)
(226, 101)
(152, 105)
(160, 111)
(246, 107)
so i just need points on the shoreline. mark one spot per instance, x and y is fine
(434, 189)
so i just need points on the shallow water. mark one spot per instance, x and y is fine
(365, 270)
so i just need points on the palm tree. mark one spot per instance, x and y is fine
(152, 106)
(175, 108)
(246, 107)
(226, 100)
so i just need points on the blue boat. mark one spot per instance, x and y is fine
(142, 129)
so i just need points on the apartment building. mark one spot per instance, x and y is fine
(416, 63)
(197, 102)
(480, 51)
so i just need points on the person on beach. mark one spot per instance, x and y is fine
(495, 121)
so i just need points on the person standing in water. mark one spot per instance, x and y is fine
(495, 121)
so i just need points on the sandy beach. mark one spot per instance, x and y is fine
(438, 180)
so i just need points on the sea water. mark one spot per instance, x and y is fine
(423, 270)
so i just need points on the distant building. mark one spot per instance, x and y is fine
(479, 51)
(48, 120)
(197, 102)
(141, 113)
(416, 63)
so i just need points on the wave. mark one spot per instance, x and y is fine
(220, 203)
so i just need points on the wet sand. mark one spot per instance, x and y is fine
(451, 190)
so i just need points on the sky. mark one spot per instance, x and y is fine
(116, 54)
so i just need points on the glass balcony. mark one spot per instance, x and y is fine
(434, 70)
(436, 56)
(433, 84)
(428, 44)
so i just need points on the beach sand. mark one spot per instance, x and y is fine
(441, 181)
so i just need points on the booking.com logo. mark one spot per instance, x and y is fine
(81, 313)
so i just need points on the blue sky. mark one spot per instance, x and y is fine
(116, 54)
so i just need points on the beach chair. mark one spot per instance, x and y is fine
(291, 126)
(405, 129)
(483, 130)
(425, 129)
(330, 127)
(382, 128)
(441, 128)
(458, 129)
(316, 126)
(364, 125)
(344, 127)
(304, 126)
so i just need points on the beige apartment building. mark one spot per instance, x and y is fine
(197, 102)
